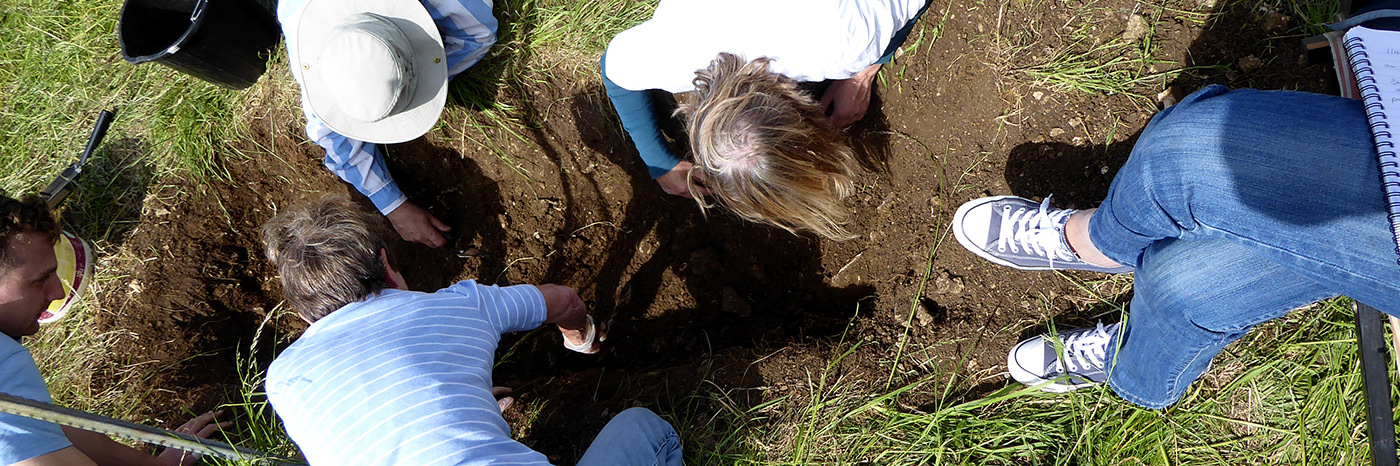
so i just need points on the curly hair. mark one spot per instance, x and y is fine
(767, 150)
(327, 253)
(28, 214)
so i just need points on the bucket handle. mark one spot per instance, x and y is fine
(198, 10)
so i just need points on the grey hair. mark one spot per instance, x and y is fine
(767, 150)
(327, 253)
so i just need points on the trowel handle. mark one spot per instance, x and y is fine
(99, 131)
(58, 190)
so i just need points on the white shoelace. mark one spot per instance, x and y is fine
(1035, 231)
(1086, 349)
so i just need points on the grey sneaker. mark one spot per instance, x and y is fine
(1069, 360)
(1018, 233)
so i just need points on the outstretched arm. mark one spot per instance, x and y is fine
(103, 451)
(634, 109)
(362, 165)
(567, 311)
(526, 307)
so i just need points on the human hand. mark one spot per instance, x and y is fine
(417, 225)
(502, 400)
(846, 101)
(567, 311)
(202, 427)
(674, 181)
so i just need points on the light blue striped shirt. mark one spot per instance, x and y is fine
(404, 378)
(468, 30)
(22, 438)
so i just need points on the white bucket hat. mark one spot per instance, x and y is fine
(372, 70)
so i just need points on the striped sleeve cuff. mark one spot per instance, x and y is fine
(388, 198)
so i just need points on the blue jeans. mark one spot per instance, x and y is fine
(635, 437)
(1235, 208)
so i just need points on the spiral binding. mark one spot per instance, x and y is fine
(1375, 109)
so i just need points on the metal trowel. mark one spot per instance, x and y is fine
(61, 187)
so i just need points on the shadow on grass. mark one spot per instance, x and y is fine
(106, 204)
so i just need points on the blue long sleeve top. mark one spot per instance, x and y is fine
(808, 41)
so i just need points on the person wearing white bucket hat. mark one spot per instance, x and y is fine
(376, 72)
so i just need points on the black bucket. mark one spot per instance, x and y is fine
(225, 42)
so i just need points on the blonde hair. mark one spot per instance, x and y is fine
(766, 148)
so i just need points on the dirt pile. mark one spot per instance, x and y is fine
(565, 200)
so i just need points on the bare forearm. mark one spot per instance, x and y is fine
(563, 307)
(70, 456)
(107, 452)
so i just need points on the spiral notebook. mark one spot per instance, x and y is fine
(1375, 61)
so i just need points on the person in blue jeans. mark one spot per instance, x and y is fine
(1234, 208)
(387, 376)
(765, 148)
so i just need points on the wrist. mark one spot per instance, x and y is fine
(868, 74)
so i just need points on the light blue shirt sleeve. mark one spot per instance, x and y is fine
(468, 30)
(357, 162)
(22, 438)
(508, 309)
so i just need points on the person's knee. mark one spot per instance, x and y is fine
(636, 423)
(1175, 147)
(637, 434)
(1185, 135)
(640, 418)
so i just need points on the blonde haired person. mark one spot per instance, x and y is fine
(764, 148)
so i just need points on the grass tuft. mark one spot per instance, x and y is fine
(1282, 395)
(68, 70)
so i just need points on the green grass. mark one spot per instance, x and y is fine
(1314, 14)
(1091, 56)
(538, 43)
(256, 426)
(1111, 68)
(1286, 394)
(69, 69)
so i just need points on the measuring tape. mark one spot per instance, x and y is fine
(133, 431)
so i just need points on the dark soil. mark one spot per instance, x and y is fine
(689, 298)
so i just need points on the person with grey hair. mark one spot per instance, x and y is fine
(388, 376)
